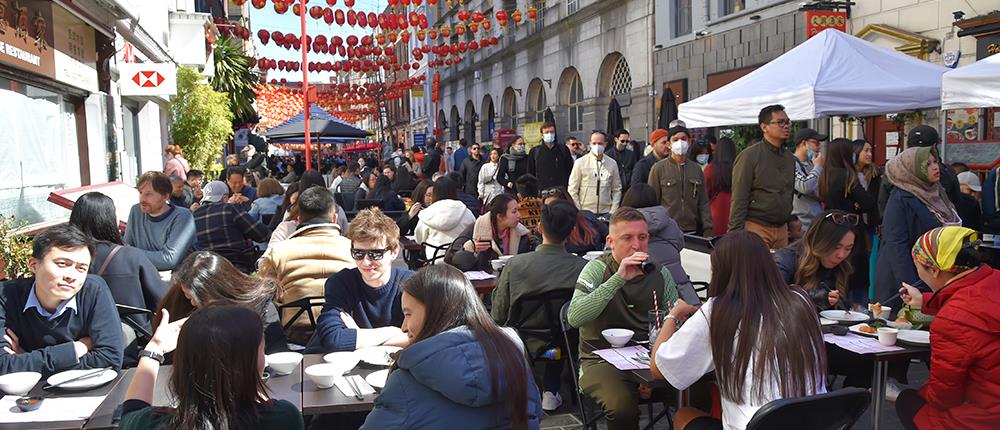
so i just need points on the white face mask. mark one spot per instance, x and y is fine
(679, 147)
(596, 149)
(549, 137)
(702, 159)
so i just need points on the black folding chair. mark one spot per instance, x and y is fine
(301, 306)
(362, 204)
(838, 410)
(548, 304)
(345, 200)
(437, 253)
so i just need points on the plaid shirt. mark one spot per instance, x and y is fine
(227, 229)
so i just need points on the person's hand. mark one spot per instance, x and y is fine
(631, 266)
(13, 343)
(818, 159)
(238, 199)
(415, 209)
(195, 206)
(482, 246)
(682, 309)
(348, 320)
(165, 338)
(833, 297)
(83, 346)
(911, 295)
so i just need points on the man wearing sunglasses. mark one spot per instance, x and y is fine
(363, 305)
(764, 181)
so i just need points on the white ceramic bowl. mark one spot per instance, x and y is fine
(346, 360)
(887, 335)
(496, 264)
(19, 383)
(504, 258)
(283, 363)
(324, 375)
(617, 337)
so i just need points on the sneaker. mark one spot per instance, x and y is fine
(551, 402)
(892, 390)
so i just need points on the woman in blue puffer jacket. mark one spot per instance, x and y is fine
(459, 367)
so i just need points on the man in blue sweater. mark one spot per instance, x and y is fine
(61, 318)
(164, 232)
(363, 305)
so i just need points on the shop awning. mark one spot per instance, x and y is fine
(833, 73)
(974, 86)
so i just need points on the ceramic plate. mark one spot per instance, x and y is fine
(83, 384)
(824, 321)
(844, 316)
(377, 379)
(856, 329)
(914, 337)
(378, 355)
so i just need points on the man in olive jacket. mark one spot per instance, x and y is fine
(679, 185)
(549, 268)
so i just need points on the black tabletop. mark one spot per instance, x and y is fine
(316, 401)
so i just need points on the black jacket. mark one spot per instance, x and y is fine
(640, 173)
(551, 166)
(787, 260)
(626, 160)
(469, 171)
(432, 163)
(949, 180)
(131, 277)
(505, 175)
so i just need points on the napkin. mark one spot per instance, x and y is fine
(363, 386)
(54, 409)
(477, 275)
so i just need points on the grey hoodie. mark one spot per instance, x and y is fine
(665, 241)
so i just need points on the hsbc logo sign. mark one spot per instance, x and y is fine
(147, 79)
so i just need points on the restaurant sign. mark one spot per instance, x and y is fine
(76, 51)
(26, 36)
(819, 20)
(987, 45)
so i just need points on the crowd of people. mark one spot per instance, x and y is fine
(804, 227)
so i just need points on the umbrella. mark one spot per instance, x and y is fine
(615, 121)
(551, 119)
(668, 109)
(321, 123)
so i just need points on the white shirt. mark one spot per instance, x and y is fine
(687, 356)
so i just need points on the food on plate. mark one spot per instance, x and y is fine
(902, 320)
(865, 328)
(876, 308)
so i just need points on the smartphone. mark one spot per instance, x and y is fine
(687, 293)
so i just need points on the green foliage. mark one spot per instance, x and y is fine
(15, 249)
(234, 75)
(202, 121)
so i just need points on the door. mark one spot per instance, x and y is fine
(885, 136)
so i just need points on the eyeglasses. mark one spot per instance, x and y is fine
(373, 254)
(781, 122)
(551, 192)
(843, 218)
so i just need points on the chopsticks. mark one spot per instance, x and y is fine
(916, 285)
(354, 387)
(87, 375)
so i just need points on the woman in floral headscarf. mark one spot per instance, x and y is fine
(917, 204)
(962, 391)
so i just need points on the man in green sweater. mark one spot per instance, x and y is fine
(165, 233)
(613, 292)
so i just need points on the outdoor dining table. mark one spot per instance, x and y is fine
(316, 401)
(104, 390)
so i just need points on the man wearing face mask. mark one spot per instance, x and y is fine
(551, 163)
(680, 186)
(660, 143)
(594, 182)
(626, 153)
(806, 204)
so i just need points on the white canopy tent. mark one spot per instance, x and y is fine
(833, 73)
(974, 86)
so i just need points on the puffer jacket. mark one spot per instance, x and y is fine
(665, 241)
(300, 264)
(444, 381)
(441, 223)
(964, 386)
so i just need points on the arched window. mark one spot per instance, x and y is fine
(575, 103)
(536, 101)
(621, 78)
(510, 108)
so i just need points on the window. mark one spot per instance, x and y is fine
(682, 17)
(575, 101)
(621, 78)
(733, 6)
(539, 105)
(572, 6)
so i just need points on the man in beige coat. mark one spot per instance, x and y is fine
(301, 264)
(594, 182)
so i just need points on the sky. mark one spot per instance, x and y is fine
(268, 19)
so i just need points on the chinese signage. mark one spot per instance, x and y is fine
(76, 52)
(987, 45)
(819, 20)
(26, 36)
(147, 79)
(436, 88)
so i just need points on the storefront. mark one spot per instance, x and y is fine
(50, 110)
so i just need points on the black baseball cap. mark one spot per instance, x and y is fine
(921, 136)
(808, 133)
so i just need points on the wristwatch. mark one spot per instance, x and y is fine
(150, 354)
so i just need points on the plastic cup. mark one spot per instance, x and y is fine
(887, 336)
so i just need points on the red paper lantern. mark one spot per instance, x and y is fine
(280, 8)
(532, 13)
(446, 32)
(460, 29)
(352, 18)
(372, 20)
(331, 2)
(432, 34)
(259, 4)
(297, 9)
(338, 16)
(352, 40)
(474, 46)
(477, 16)
(316, 12)
(362, 20)
(501, 15)
(349, 3)
(516, 16)
(404, 37)
(474, 27)
(400, 22)
(486, 25)
(336, 41)
(463, 14)
(423, 21)
(426, 49)
(328, 16)
(421, 35)
(414, 19)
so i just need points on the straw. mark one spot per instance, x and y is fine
(656, 305)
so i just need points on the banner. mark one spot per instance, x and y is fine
(819, 20)
(532, 134)
(26, 37)
(147, 79)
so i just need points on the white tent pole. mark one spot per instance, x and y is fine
(944, 136)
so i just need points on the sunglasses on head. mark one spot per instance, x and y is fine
(551, 192)
(843, 218)
(373, 254)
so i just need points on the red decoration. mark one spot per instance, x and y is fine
(463, 15)
(460, 29)
(516, 16)
(259, 4)
(362, 20)
(352, 18)
(445, 31)
(432, 34)
(486, 25)
(280, 8)
(338, 16)
(349, 3)
(328, 16)
(331, 2)
(532, 13)
(372, 20)
(264, 36)
(316, 12)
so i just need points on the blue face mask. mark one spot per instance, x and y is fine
(810, 154)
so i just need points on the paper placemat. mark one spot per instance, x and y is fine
(859, 344)
(363, 386)
(54, 409)
(625, 358)
(477, 275)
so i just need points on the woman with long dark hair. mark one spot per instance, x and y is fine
(205, 278)
(666, 240)
(762, 338)
(589, 233)
(840, 188)
(422, 197)
(132, 278)
(719, 184)
(513, 164)
(819, 262)
(497, 232)
(381, 189)
(460, 367)
(216, 377)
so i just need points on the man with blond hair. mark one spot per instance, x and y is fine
(363, 304)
